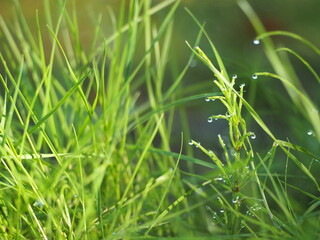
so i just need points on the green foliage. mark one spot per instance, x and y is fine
(87, 135)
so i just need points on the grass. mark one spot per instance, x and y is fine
(89, 147)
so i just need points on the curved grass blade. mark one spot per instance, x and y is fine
(170, 105)
(56, 107)
(214, 49)
(291, 35)
(309, 106)
(314, 73)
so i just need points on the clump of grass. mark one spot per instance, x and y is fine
(76, 159)
(85, 137)
(253, 201)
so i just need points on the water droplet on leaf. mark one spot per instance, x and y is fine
(256, 42)
(39, 203)
(235, 200)
(193, 63)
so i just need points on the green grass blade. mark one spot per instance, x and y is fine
(314, 73)
(291, 35)
(58, 105)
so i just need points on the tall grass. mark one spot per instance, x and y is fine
(75, 136)
(252, 201)
(87, 135)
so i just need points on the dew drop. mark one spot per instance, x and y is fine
(193, 63)
(234, 76)
(214, 216)
(242, 85)
(235, 200)
(191, 142)
(39, 203)
(256, 42)
(210, 153)
(210, 120)
(207, 99)
(310, 133)
(254, 76)
(253, 136)
(212, 99)
(221, 210)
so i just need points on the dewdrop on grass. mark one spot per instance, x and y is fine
(253, 136)
(39, 203)
(193, 63)
(235, 200)
(256, 42)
